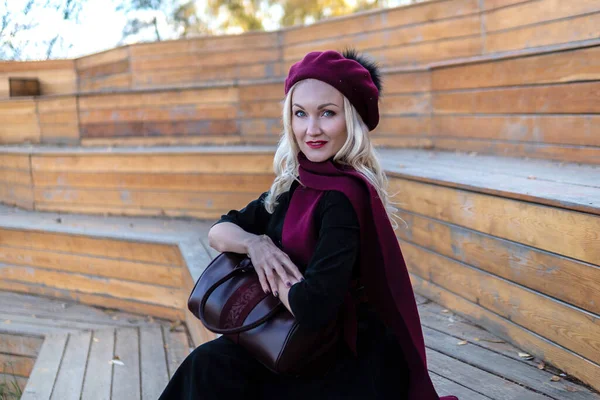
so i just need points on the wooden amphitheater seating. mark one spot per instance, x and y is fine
(500, 227)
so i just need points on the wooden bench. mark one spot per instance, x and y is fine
(460, 354)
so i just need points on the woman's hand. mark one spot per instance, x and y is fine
(271, 264)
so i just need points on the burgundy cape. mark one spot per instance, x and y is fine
(382, 268)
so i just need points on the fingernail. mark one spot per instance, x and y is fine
(289, 284)
(276, 294)
(301, 279)
(266, 292)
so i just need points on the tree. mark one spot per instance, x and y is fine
(18, 22)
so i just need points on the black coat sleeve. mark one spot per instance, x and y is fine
(253, 218)
(317, 300)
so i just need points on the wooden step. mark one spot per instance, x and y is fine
(107, 364)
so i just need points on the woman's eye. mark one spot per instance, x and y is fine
(328, 113)
(299, 113)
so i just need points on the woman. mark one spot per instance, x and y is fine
(321, 239)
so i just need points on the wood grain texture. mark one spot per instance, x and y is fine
(559, 99)
(23, 345)
(537, 12)
(127, 377)
(156, 253)
(573, 154)
(571, 281)
(249, 183)
(41, 381)
(17, 365)
(569, 233)
(69, 380)
(584, 130)
(556, 321)
(98, 378)
(153, 363)
(551, 33)
(536, 345)
(559, 67)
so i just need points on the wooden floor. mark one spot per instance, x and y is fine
(90, 353)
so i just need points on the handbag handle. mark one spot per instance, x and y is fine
(236, 271)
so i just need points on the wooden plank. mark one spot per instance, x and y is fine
(105, 57)
(257, 183)
(20, 344)
(390, 37)
(261, 126)
(394, 17)
(530, 189)
(260, 109)
(127, 378)
(522, 374)
(429, 51)
(406, 104)
(100, 300)
(560, 67)
(556, 32)
(584, 130)
(446, 387)
(206, 45)
(403, 125)
(250, 163)
(62, 103)
(437, 317)
(565, 325)
(171, 97)
(155, 128)
(119, 82)
(153, 363)
(573, 154)
(550, 171)
(466, 375)
(144, 199)
(69, 380)
(98, 376)
(562, 99)
(175, 113)
(15, 177)
(493, 4)
(157, 253)
(177, 348)
(536, 345)
(407, 82)
(100, 267)
(24, 66)
(44, 374)
(216, 59)
(162, 141)
(566, 279)
(112, 68)
(79, 283)
(261, 91)
(537, 12)
(12, 364)
(554, 230)
(131, 211)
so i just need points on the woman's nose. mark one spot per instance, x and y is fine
(313, 128)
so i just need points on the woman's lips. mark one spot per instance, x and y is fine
(316, 144)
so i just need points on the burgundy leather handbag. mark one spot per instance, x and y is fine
(229, 300)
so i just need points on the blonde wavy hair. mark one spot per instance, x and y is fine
(357, 152)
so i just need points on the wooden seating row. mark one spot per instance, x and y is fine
(404, 36)
(539, 105)
(511, 244)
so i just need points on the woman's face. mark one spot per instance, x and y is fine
(318, 119)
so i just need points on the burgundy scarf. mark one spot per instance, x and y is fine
(382, 268)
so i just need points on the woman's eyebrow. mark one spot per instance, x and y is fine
(318, 108)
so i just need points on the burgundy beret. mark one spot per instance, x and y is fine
(348, 76)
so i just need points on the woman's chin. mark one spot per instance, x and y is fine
(317, 155)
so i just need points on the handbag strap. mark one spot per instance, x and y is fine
(240, 329)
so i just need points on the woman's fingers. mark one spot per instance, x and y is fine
(291, 268)
(263, 280)
(281, 271)
(272, 280)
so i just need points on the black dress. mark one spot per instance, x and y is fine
(221, 369)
